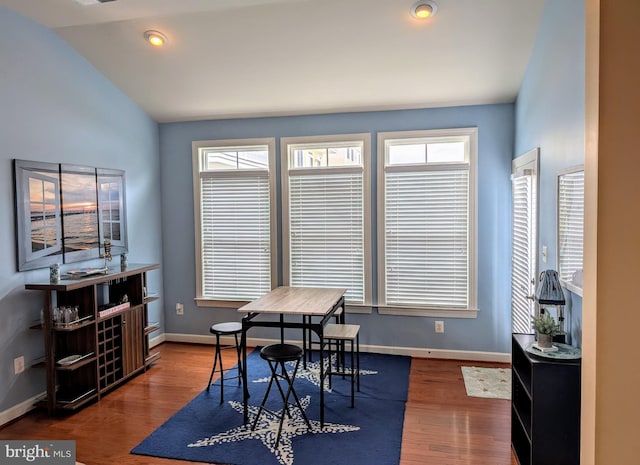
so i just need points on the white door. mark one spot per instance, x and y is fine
(524, 183)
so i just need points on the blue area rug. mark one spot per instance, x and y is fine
(370, 433)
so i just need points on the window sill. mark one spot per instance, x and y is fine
(364, 309)
(207, 302)
(435, 312)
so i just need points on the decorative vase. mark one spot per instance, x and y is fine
(544, 340)
(54, 273)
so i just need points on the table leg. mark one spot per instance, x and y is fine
(322, 375)
(245, 389)
(304, 342)
(282, 328)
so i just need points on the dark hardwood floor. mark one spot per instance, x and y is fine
(443, 426)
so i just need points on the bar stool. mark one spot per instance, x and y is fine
(339, 334)
(225, 329)
(277, 355)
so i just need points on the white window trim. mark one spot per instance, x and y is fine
(202, 301)
(365, 138)
(472, 311)
(362, 309)
(566, 284)
(431, 311)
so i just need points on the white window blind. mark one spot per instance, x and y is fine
(523, 250)
(426, 227)
(235, 224)
(570, 225)
(324, 205)
(426, 238)
(327, 232)
(235, 237)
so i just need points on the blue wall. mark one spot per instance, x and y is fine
(56, 107)
(489, 332)
(550, 112)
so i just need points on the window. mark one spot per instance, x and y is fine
(326, 213)
(571, 227)
(524, 241)
(426, 224)
(235, 224)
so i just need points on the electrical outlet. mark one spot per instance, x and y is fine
(179, 309)
(439, 326)
(18, 364)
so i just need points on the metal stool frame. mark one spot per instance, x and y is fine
(341, 368)
(217, 357)
(275, 376)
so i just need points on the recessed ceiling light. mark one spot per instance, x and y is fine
(424, 9)
(155, 38)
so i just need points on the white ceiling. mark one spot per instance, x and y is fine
(236, 58)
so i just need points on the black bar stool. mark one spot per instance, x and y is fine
(225, 329)
(277, 355)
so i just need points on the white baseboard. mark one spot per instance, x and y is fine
(19, 410)
(154, 341)
(467, 355)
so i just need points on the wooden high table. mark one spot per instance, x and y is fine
(295, 301)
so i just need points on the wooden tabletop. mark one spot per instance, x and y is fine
(296, 301)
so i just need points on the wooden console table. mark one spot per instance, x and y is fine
(104, 343)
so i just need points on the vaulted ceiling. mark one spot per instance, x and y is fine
(236, 58)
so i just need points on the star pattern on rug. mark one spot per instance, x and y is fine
(267, 429)
(312, 373)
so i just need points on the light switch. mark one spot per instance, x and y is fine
(544, 254)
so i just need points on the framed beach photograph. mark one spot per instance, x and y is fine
(64, 213)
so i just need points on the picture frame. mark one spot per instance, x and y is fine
(65, 212)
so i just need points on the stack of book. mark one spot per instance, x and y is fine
(110, 309)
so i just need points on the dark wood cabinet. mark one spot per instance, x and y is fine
(545, 407)
(132, 335)
(106, 340)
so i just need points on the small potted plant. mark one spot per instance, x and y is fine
(546, 328)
